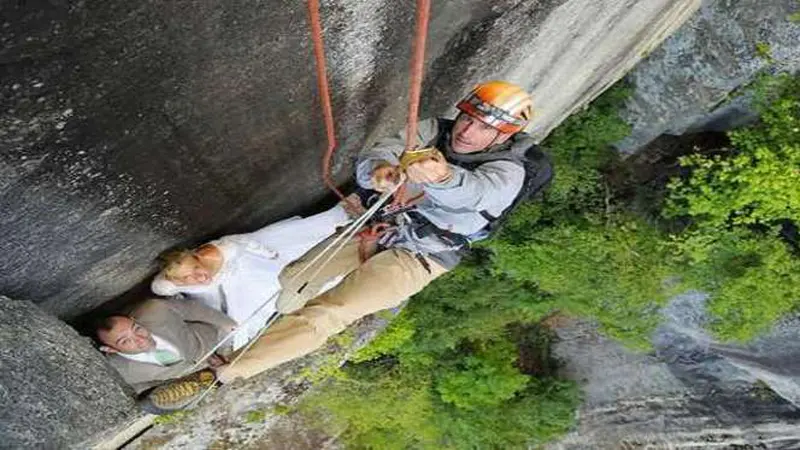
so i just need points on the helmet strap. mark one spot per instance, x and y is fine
(494, 139)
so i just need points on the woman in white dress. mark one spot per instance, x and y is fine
(238, 274)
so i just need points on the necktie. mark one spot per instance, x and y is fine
(166, 357)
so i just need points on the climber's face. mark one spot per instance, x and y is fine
(190, 271)
(126, 336)
(470, 135)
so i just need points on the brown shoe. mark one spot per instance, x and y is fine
(180, 393)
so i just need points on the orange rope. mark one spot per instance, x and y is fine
(373, 233)
(415, 88)
(417, 71)
(415, 84)
(324, 93)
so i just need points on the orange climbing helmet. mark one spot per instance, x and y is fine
(499, 104)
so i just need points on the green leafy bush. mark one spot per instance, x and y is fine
(736, 202)
(592, 257)
(757, 182)
(610, 269)
(447, 372)
(544, 410)
(753, 280)
(487, 377)
(580, 147)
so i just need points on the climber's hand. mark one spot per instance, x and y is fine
(385, 177)
(352, 206)
(216, 360)
(430, 170)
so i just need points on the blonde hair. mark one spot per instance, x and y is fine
(170, 260)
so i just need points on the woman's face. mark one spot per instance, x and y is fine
(190, 270)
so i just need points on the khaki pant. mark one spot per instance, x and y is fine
(383, 281)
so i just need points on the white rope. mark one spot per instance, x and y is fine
(345, 236)
(360, 222)
(229, 335)
(341, 240)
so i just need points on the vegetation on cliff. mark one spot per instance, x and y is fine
(743, 206)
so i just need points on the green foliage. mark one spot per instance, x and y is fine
(452, 371)
(487, 377)
(255, 416)
(380, 408)
(260, 415)
(753, 279)
(756, 183)
(281, 410)
(171, 418)
(580, 147)
(443, 375)
(612, 270)
(468, 304)
(592, 260)
(544, 410)
(329, 365)
(398, 333)
(736, 202)
(473, 397)
(764, 51)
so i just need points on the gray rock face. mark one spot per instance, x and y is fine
(56, 391)
(685, 85)
(693, 393)
(772, 359)
(130, 127)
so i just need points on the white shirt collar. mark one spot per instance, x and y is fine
(149, 356)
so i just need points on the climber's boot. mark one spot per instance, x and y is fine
(178, 394)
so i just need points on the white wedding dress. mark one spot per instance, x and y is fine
(248, 277)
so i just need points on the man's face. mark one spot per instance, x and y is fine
(190, 271)
(471, 135)
(126, 336)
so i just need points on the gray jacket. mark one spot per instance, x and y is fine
(455, 205)
(192, 328)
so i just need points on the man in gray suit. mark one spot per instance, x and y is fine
(161, 339)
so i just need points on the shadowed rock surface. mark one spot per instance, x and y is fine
(56, 391)
(692, 81)
(130, 127)
(688, 395)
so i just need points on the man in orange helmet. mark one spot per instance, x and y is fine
(481, 169)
